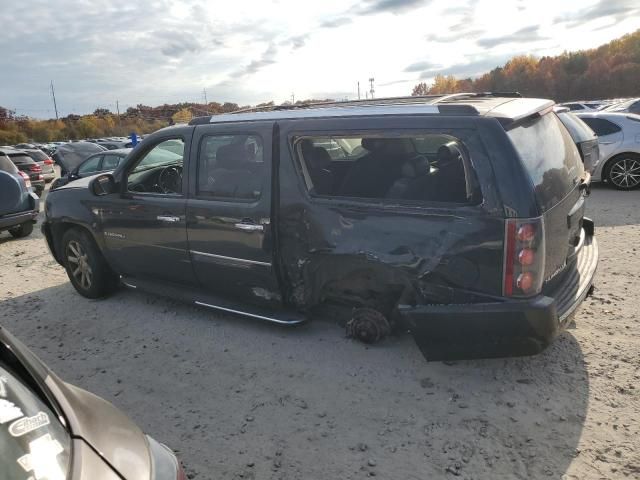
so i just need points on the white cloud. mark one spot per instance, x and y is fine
(253, 51)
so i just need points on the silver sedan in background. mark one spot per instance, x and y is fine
(619, 141)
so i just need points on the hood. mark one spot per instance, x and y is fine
(117, 439)
(106, 429)
(70, 155)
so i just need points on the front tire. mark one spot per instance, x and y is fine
(86, 267)
(623, 172)
(22, 230)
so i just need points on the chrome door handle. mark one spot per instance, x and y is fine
(168, 218)
(606, 143)
(249, 227)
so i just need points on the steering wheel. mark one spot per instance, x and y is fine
(170, 180)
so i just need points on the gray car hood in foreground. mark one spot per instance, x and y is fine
(105, 428)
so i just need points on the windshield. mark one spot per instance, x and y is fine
(165, 153)
(33, 442)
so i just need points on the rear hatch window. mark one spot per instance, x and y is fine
(21, 159)
(550, 158)
(38, 156)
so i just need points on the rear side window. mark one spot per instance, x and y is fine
(550, 158)
(110, 162)
(231, 167)
(601, 126)
(7, 165)
(91, 165)
(420, 167)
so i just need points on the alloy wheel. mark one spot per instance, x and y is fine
(79, 264)
(625, 173)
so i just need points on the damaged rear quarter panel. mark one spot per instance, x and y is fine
(377, 255)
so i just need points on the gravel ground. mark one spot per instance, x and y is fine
(241, 399)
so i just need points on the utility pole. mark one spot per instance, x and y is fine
(358, 90)
(371, 80)
(53, 94)
(204, 91)
(293, 99)
(118, 110)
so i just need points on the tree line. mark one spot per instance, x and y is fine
(609, 71)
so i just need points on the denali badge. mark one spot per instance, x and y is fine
(28, 424)
(114, 235)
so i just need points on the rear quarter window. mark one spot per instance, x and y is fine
(7, 165)
(550, 158)
(601, 126)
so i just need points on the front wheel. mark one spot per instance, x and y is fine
(624, 172)
(22, 230)
(86, 267)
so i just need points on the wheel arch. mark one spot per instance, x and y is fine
(57, 231)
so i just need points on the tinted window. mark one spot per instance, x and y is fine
(7, 165)
(21, 158)
(549, 156)
(37, 155)
(169, 152)
(90, 166)
(33, 442)
(110, 162)
(579, 130)
(412, 168)
(574, 106)
(601, 126)
(231, 167)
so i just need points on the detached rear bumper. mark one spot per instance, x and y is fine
(509, 328)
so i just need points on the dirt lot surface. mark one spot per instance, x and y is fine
(241, 399)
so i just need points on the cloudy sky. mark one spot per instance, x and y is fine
(250, 51)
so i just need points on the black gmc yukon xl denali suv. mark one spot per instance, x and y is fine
(458, 218)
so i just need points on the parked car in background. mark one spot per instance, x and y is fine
(458, 219)
(52, 430)
(45, 162)
(628, 106)
(585, 139)
(619, 143)
(582, 106)
(96, 163)
(70, 155)
(114, 144)
(28, 165)
(19, 206)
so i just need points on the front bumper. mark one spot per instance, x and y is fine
(508, 328)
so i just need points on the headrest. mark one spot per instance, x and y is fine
(319, 157)
(448, 153)
(232, 157)
(416, 167)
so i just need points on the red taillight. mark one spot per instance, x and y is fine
(525, 282)
(48, 161)
(524, 257)
(35, 168)
(25, 177)
(526, 232)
